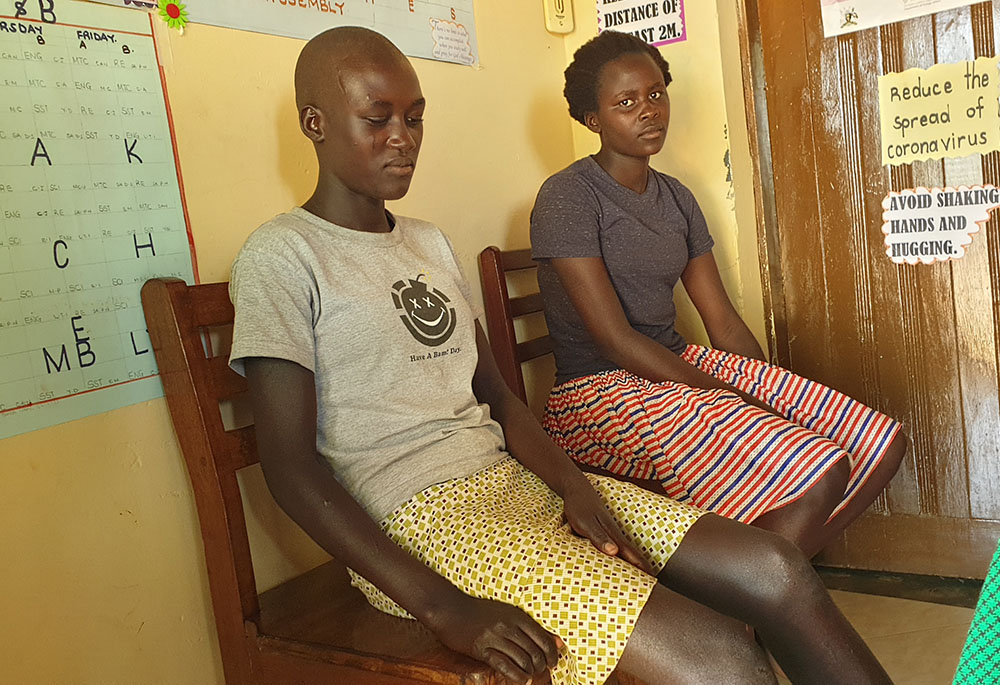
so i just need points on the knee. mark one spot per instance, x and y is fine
(833, 484)
(786, 579)
(894, 454)
(728, 655)
(737, 658)
(826, 493)
(891, 460)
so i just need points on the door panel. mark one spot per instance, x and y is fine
(918, 342)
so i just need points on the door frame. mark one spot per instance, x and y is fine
(759, 137)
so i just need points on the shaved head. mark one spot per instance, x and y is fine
(360, 104)
(327, 58)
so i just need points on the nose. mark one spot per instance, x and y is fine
(401, 137)
(649, 110)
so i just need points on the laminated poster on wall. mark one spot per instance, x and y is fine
(846, 16)
(443, 31)
(92, 207)
(946, 111)
(658, 22)
(927, 225)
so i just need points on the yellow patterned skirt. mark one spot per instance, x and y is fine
(500, 534)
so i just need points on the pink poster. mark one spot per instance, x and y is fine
(658, 23)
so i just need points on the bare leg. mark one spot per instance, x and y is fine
(677, 640)
(877, 482)
(803, 521)
(762, 579)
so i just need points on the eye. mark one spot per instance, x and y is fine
(656, 95)
(377, 121)
(627, 102)
(415, 120)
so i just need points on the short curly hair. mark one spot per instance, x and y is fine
(583, 74)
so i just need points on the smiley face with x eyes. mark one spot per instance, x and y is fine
(425, 312)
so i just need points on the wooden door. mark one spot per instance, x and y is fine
(918, 342)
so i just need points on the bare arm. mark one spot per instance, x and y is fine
(284, 405)
(531, 446)
(726, 329)
(586, 282)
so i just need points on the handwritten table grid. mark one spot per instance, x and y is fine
(91, 209)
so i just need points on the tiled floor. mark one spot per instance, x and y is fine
(918, 643)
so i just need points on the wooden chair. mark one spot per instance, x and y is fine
(315, 628)
(502, 309)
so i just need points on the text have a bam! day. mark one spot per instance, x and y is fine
(436, 354)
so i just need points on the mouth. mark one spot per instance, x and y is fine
(651, 132)
(401, 166)
(435, 322)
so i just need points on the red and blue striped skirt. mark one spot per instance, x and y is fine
(711, 449)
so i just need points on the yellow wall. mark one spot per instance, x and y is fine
(103, 573)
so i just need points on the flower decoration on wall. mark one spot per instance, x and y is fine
(174, 13)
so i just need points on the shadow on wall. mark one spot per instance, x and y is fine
(280, 549)
(296, 160)
(518, 225)
(548, 117)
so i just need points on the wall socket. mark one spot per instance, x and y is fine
(558, 15)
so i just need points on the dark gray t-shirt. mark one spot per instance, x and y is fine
(645, 239)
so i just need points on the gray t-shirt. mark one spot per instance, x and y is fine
(384, 322)
(645, 239)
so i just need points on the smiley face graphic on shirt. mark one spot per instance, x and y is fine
(425, 311)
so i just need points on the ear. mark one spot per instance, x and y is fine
(591, 122)
(311, 123)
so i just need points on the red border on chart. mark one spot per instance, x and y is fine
(77, 394)
(177, 159)
(180, 185)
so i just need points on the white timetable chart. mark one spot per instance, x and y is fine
(91, 208)
(433, 29)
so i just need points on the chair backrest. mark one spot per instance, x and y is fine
(191, 329)
(502, 309)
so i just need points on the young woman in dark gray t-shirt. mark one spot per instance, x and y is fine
(718, 428)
